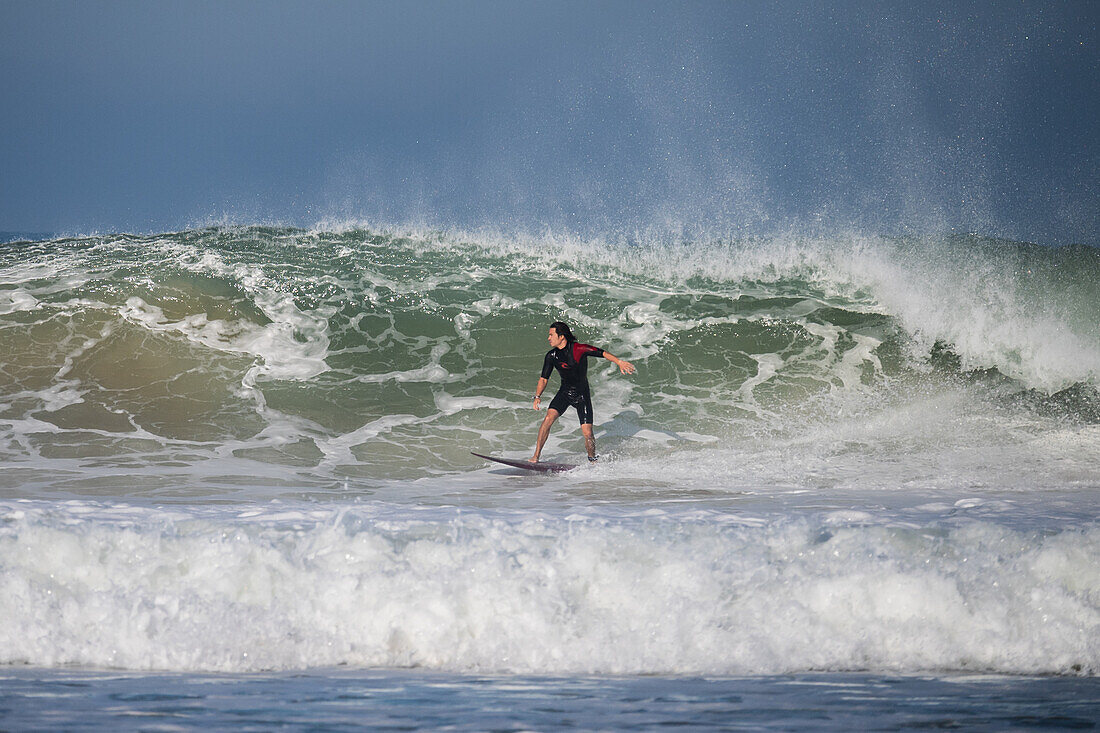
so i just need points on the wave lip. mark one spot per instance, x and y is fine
(311, 587)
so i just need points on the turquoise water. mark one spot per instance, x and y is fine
(241, 456)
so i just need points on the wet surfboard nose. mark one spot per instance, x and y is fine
(540, 467)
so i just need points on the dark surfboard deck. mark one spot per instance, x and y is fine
(540, 467)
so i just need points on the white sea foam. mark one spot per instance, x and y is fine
(12, 301)
(980, 309)
(292, 346)
(290, 587)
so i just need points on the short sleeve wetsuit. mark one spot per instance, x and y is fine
(572, 364)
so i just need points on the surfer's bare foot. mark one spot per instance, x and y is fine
(533, 459)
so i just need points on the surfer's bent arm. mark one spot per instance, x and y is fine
(624, 366)
(539, 389)
(544, 377)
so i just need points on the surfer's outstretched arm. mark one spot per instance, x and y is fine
(625, 367)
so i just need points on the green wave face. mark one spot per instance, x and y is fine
(320, 359)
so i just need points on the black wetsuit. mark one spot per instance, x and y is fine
(572, 364)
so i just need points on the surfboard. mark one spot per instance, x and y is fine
(540, 467)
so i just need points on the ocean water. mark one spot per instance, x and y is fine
(855, 482)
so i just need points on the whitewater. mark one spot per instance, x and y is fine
(237, 450)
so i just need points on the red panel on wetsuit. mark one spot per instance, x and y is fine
(581, 350)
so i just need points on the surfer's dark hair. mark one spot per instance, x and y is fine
(563, 330)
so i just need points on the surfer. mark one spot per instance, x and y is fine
(570, 359)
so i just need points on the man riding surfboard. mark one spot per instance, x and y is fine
(570, 359)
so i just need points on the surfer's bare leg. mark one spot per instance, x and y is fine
(544, 433)
(589, 440)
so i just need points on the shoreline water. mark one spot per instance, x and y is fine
(403, 699)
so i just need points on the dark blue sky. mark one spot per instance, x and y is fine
(722, 117)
